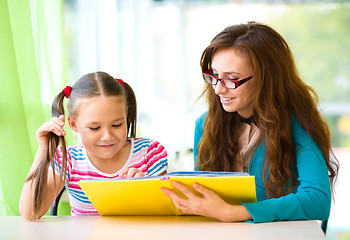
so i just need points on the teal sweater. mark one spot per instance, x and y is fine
(310, 198)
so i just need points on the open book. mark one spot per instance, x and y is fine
(142, 196)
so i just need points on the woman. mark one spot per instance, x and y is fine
(262, 119)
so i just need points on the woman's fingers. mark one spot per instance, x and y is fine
(177, 200)
(184, 204)
(185, 190)
(203, 190)
(201, 202)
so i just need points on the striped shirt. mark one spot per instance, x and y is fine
(145, 154)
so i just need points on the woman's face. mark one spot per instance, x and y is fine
(231, 63)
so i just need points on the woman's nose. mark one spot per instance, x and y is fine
(218, 88)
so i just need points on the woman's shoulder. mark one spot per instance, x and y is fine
(200, 119)
(298, 132)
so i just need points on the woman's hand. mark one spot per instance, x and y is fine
(131, 173)
(209, 204)
(55, 125)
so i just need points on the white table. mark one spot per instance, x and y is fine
(153, 227)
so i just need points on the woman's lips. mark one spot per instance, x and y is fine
(225, 100)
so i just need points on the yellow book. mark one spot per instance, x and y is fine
(142, 196)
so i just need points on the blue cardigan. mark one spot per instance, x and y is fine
(309, 199)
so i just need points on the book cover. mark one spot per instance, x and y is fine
(142, 196)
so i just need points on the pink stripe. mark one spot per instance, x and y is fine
(156, 146)
(139, 164)
(157, 158)
(74, 186)
(85, 173)
(160, 151)
(76, 178)
(152, 146)
(84, 213)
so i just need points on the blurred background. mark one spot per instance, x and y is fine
(155, 46)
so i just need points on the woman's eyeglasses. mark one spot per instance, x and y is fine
(225, 82)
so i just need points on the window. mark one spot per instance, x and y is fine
(156, 46)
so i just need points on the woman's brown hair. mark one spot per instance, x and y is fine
(89, 85)
(280, 96)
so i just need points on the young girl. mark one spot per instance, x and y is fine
(262, 119)
(102, 110)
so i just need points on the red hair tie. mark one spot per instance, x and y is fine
(67, 90)
(120, 81)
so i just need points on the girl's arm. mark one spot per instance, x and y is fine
(54, 185)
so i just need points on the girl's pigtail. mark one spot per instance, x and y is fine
(57, 110)
(40, 175)
(132, 110)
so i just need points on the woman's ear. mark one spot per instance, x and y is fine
(72, 123)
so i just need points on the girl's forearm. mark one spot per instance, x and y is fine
(26, 204)
(40, 154)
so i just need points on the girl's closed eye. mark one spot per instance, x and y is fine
(94, 128)
(117, 125)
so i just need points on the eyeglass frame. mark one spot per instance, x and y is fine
(237, 82)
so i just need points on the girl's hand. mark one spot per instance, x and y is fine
(131, 173)
(55, 125)
(209, 204)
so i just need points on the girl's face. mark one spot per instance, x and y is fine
(230, 63)
(102, 126)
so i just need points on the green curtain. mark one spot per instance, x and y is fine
(33, 66)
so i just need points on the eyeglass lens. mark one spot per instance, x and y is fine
(225, 82)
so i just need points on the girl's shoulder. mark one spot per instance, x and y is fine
(146, 145)
(137, 142)
(75, 151)
(144, 142)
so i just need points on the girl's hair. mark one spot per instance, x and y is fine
(89, 85)
(280, 95)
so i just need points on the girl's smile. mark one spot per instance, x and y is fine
(106, 146)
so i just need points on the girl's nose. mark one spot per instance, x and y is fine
(106, 135)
